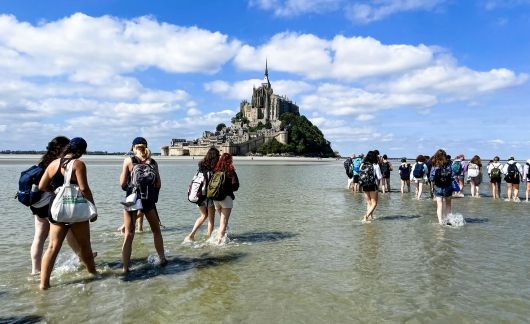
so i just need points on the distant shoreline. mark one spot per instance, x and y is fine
(28, 159)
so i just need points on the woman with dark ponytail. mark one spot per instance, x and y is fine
(40, 208)
(53, 178)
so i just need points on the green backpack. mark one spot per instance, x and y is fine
(216, 186)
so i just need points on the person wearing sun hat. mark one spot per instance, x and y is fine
(512, 175)
(526, 177)
(145, 200)
(53, 178)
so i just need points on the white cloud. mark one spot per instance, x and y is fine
(287, 8)
(357, 11)
(340, 100)
(369, 11)
(91, 49)
(243, 89)
(304, 54)
(453, 82)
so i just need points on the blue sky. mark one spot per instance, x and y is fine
(403, 76)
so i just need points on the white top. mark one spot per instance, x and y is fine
(425, 171)
(505, 167)
(526, 171)
(494, 165)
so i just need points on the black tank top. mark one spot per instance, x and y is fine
(58, 178)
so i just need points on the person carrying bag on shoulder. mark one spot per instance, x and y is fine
(68, 170)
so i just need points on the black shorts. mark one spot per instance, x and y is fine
(495, 180)
(356, 178)
(41, 212)
(369, 188)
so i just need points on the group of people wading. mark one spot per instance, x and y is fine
(444, 178)
(62, 151)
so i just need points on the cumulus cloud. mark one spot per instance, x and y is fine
(243, 89)
(343, 58)
(454, 82)
(91, 49)
(343, 100)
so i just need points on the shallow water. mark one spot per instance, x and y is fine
(297, 254)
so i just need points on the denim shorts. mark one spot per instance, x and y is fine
(443, 191)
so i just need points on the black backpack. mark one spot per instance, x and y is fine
(28, 180)
(367, 175)
(348, 166)
(443, 177)
(143, 178)
(512, 174)
(385, 169)
(405, 172)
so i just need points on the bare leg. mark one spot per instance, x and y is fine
(516, 192)
(509, 192)
(402, 186)
(42, 228)
(440, 210)
(129, 220)
(211, 220)
(373, 201)
(200, 220)
(57, 235)
(140, 222)
(419, 187)
(81, 232)
(152, 218)
(223, 223)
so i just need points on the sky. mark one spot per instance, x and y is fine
(404, 76)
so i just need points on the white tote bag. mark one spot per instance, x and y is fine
(69, 205)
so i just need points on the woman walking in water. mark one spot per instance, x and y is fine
(40, 208)
(206, 207)
(369, 176)
(53, 178)
(474, 173)
(147, 196)
(441, 176)
(230, 185)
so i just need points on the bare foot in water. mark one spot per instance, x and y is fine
(163, 262)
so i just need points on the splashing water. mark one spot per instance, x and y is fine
(455, 220)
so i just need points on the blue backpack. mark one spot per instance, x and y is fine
(356, 166)
(28, 193)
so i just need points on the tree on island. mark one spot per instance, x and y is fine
(304, 139)
(220, 127)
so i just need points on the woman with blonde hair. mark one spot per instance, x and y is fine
(53, 178)
(474, 173)
(140, 177)
(441, 176)
(226, 203)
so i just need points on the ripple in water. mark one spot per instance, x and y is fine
(455, 220)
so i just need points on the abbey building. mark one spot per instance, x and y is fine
(257, 122)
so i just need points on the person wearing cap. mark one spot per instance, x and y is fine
(494, 172)
(52, 179)
(142, 156)
(526, 177)
(512, 171)
(404, 174)
(41, 208)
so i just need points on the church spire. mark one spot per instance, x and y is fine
(267, 73)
